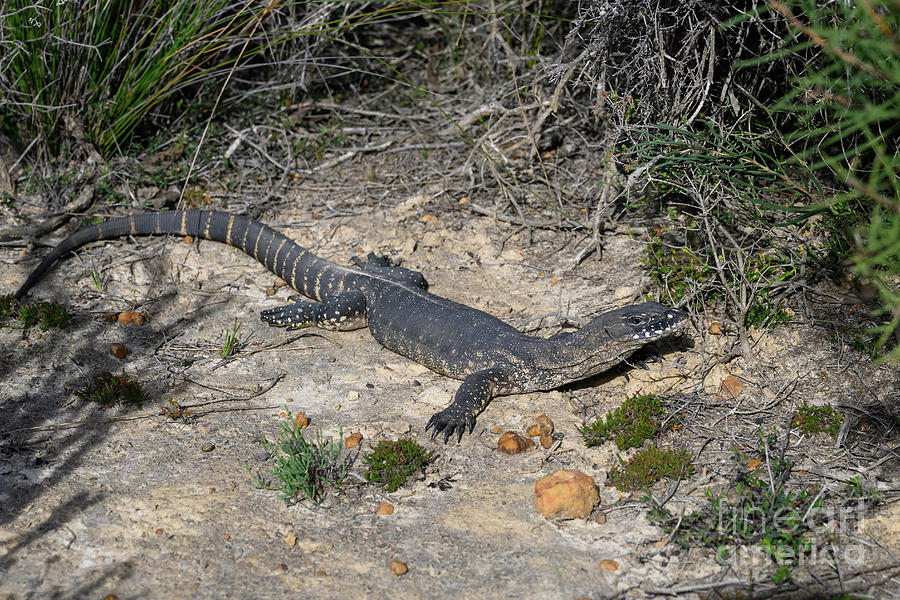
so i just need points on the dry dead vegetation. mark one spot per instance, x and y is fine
(533, 159)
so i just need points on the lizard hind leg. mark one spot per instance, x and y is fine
(471, 398)
(343, 312)
(382, 267)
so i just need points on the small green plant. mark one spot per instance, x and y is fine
(108, 390)
(230, 345)
(303, 468)
(855, 491)
(9, 308)
(649, 466)
(818, 419)
(766, 313)
(43, 314)
(636, 420)
(679, 271)
(781, 574)
(392, 463)
(177, 411)
(95, 279)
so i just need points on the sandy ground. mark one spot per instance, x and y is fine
(127, 502)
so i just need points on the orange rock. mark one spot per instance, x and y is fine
(546, 441)
(513, 443)
(541, 425)
(301, 420)
(715, 328)
(565, 494)
(609, 565)
(398, 567)
(385, 508)
(188, 239)
(118, 350)
(352, 440)
(130, 317)
(731, 387)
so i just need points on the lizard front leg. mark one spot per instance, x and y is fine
(471, 398)
(343, 312)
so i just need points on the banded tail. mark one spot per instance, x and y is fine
(278, 253)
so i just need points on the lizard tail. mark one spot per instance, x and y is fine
(277, 252)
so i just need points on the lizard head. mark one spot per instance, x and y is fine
(613, 336)
(630, 327)
(642, 323)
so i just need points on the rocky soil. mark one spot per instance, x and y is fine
(130, 503)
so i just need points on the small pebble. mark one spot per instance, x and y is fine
(118, 350)
(715, 328)
(398, 567)
(130, 317)
(353, 440)
(321, 573)
(208, 447)
(188, 239)
(542, 425)
(159, 531)
(279, 569)
(353, 395)
(290, 540)
(271, 291)
(609, 565)
(546, 441)
(385, 508)
(513, 443)
(601, 518)
(301, 420)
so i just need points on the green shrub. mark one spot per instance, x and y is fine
(649, 466)
(636, 420)
(108, 390)
(44, 314)
(392, 463)
(303, 469)
(817, 419)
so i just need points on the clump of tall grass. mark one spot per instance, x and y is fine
(103, 65)
(842, 125)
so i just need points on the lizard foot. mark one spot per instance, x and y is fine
(450, 422)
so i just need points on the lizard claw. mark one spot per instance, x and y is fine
(449, 424)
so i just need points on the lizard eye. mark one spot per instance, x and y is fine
(635, 320)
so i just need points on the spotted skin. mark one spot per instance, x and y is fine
(491, 357)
